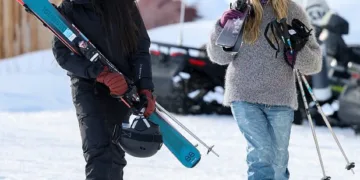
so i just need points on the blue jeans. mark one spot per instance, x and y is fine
(267, 131)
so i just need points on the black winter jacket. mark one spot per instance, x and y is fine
(136, 66)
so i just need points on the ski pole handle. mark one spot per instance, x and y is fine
(286, 34)
(284, 28)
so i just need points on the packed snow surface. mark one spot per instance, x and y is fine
(46, 146)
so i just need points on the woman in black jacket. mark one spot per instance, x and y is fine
(117, 29)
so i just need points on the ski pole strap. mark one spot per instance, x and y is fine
(284, 28)
(279, 31)
(285, 33)
(268, 39)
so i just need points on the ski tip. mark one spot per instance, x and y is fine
(195, 163)
(21, 2)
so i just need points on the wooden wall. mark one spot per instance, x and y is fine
(20, 32)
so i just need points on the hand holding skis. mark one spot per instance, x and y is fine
(232, 22)
(114, 81)
(150, 101)
(230, 14)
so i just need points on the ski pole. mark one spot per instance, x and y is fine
(210, 149)
(311, 125)
(349, 165)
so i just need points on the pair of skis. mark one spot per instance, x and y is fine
(231, 36)
(179, 146)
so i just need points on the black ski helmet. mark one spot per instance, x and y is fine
(142, 139)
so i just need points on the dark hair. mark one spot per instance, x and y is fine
(118, 18)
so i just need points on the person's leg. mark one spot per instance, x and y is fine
(280, 118)
(95, 138)
(119, 162)
(116, 113)
(254, 126)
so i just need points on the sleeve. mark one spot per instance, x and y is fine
(217, 54)
(141, 59)
(309, 59)
(71, 62)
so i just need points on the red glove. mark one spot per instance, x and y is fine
(115, 81)
(150, 107)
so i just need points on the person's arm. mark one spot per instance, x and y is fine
(141, 60)
(73, 63)
(216, 53)
(309, 59)
(141, 63)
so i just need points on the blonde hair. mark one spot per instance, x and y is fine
(252, 26)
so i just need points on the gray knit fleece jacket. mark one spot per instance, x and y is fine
(255, 75)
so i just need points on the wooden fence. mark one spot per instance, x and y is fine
(20, 32)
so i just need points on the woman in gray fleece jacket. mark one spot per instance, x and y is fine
(260, 88)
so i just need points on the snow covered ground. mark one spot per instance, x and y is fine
(46, 146)
(40, 140)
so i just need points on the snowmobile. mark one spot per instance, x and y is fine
(343, 62)
(331, 84)
(338, 83)
(186, 81)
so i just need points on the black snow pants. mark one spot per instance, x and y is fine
(97, 113)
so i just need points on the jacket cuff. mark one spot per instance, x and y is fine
(95, 70)
(145, 83)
